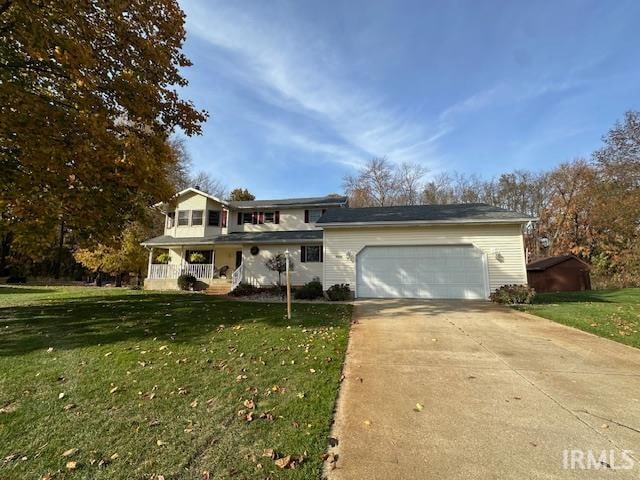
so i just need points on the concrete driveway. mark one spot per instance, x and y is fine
(506, 395)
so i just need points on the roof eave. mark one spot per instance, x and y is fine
(292, 205)
(519, 221)
(194, 190)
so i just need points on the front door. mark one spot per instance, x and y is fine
(238, 258)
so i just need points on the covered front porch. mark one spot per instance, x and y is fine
(213, 266)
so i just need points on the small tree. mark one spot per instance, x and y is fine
(278, 263)
(240, 194)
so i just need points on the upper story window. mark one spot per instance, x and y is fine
(196, 217)
(258, 218)
(313, 215)
(171, 219)
(183, 218)
(311, 253)
(214, 218)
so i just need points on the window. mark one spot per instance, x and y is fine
(214, 218)
(269, 217)
(311, 253)
(196, 217)
(314, 215)
(171, 219)
(183, 218)
(247, 217)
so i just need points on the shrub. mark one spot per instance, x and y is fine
(309, 291)
(187, 282)
(513, 294)
(244, 290)
(339, 292)
(17, 279)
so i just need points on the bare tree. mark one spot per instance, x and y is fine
(409, 183)
(206, 183)
(375, 185)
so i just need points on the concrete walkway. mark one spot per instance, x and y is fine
(504, 395)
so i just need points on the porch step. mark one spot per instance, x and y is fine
(219, 288)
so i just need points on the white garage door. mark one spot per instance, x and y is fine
(434, 271)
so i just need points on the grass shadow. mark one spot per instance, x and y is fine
(78, 322)
(5, 290)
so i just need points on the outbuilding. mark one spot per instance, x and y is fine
(562, 273)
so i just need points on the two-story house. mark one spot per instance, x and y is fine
(239, 236)
(422, 251)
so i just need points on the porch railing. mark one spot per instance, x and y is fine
(166, 270)
(236, 276)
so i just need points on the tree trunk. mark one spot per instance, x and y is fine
(99, 279)
(119, 280)
(58, 263)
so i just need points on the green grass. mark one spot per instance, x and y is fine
(613, 313)
(183, 365)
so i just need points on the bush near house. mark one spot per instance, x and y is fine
(339, 292)
(309, 291)
(513, 294)
(187, 282)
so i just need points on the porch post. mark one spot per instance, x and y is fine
(150, 260)
(181, 261)
(213, 262)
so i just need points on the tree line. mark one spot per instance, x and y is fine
(589, 207)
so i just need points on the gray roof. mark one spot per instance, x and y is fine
(466, 212)
(291, 202)
(239, 237)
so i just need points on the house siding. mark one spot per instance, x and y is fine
(256, 273)
(290, 219)
(502, 244)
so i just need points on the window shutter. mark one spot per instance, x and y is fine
(223, 220)
(261, 218)
(321, 253)
(239, 218)
(254, 217)
(324, 210)
(306, 216)
(303, 253)
(276, 216)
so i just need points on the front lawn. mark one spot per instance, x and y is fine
(148, 384)
(613, 313)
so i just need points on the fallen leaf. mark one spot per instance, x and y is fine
(114, 456)
(269, 452)
(69, 406)
(367, 423)
(249, 404)
(160, 443)
(113, 390)
(71, 465)
(333, 442)
(70, 453)
(419, 407)
(194, 404)
(283, 462)
(61, 395)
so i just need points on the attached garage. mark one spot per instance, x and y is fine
(463, 251)
(421, 271)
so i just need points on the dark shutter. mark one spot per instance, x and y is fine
(324, 210)
(254, 217)
(303, 253)
(306, 216)
(239, 218)
(276, 216)
(223, 220)
(261, 218)
(321, 253)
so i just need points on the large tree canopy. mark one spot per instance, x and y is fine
(88, 100)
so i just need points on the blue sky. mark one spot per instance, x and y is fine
(302, 92)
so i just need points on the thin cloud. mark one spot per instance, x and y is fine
(309, 81)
